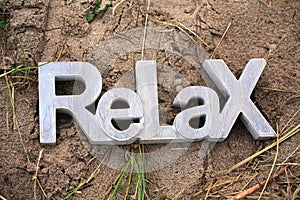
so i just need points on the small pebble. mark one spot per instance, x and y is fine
(179, 88)
(177, 81)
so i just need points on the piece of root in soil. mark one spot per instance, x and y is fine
(116, 183)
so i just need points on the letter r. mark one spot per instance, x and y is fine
(75, 105)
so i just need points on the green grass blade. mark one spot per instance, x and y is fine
(117, 186)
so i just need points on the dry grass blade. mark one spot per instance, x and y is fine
(61, 50)
(295, 96)
(91, 177)
(225, 183)
(280, 140)
(179, 194)
(137, 167)
(36, 173)
(12, 97)
(176, 26)
(249, 181)
(208, 190)
(259, 185)
(273, 165)
(220, 41)
(2, 198)
(283, 130)
(193, 33)
(184, 29)
(11, 71)
(140, 189)
(287, 158)
(145, 29)
(43, 191)
(116, 6)
(279, 90)
(129, 179)
(216, 185)
(10, 94)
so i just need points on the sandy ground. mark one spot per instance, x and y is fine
(51, 30)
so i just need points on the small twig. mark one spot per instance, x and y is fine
(259, 185)
(114, 183)
(220, 41)
(117, 182)
(36, 172)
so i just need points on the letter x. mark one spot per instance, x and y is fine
(238, 93)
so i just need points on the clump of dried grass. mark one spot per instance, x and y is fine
(289, 170)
